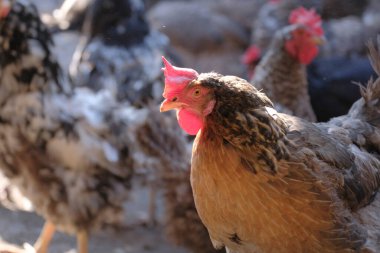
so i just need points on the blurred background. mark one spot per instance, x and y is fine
(117, 45)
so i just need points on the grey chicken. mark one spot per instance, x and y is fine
(68, 150)
(281, 74)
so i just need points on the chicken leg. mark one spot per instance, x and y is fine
(82, 241)
(45, 237)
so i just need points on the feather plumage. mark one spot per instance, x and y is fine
(69, 150)
(264, 181)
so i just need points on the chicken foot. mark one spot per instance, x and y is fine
(43, 241)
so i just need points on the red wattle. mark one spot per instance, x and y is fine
(189, 122)
(302, 49)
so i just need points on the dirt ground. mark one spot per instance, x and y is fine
(19, 227)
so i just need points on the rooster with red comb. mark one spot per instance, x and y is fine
(265, 181)
(281, 74)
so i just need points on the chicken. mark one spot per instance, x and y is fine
(281, 74)
(337, 52)
(119, 52)
(264, 181)
(69, 151)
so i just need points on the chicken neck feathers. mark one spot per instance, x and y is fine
(283, 79)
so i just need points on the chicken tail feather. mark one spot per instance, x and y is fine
(368, 108)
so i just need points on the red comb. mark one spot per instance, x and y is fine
(308, 18)
(251, 55)
(176, 78)
(4, 10)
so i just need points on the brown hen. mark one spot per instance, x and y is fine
(264, 181)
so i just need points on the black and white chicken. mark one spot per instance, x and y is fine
(69, 150)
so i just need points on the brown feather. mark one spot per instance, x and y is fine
(269, 182)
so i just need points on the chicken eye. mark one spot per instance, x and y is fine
(174, 99)
(197, 93)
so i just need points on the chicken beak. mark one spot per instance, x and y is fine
(319, 40)
(168, 105)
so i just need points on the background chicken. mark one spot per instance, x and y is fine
(270, 182)
(281, 74)
(356, 23)
(346, 31)
(70, 151)
(118, 51)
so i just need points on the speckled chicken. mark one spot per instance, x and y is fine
(281, 74)
(118, 51)
(68, 150)
(264, 181)
(129, 55)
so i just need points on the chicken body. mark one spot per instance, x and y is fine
(68, 150)
(264, 181)
(283, 78)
